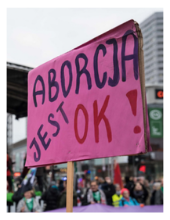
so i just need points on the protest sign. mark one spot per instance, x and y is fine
(89, 102)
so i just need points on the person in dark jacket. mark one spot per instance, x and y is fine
(140, 193)
(109, 190)
(51, 197)
(9, 173)
(148, 188)
(18, 195)
(100, 182)
(84, 199)
(157, 195)
(62, 202)
(25, 169)
(129, 183)
(41, 177)
(60, 186)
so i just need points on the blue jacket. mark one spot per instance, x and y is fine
(131, 202)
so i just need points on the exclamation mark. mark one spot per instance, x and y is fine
(132, 97)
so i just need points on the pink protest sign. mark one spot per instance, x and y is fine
(87, 103)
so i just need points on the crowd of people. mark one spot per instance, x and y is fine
(135, 191)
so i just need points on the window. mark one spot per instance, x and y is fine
(159, 23)
(148, 48)
(148, 66)
(151, 78)
(148, 72)
(160, 29)
(148, 54)
(149, 23)
(148, 60)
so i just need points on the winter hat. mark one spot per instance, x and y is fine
(123, 190)
(27, 188)
(54, 186)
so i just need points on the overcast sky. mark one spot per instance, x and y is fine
(35, 36)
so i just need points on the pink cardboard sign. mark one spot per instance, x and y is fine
(87, 103)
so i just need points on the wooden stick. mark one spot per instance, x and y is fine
(70, 175)
(142, 78)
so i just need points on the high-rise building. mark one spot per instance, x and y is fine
(152, 30)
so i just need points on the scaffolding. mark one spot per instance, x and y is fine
(9, 133)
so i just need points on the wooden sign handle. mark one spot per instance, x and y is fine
(70, 177)
(142, 78)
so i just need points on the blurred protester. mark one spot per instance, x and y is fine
(96, 179)
(80, 188)
(9, 174)
(51, 197)
(60, 186)
(117, 174)
(139, 192)
(100, 182)
(81, 182)
(28, 203)
(141, 180)
(157, 195)
(25, 169)
(126, 200)
(86, 186)
(79, 196)
(62, 202)
(41, 176)
(108, 189)
(148, 188)
(135, 179)
(18, 194)
(151, 185)
(129, 183)
(117, 196)
(95, 195)
(9, 198)
(36, 187)
(84, 196)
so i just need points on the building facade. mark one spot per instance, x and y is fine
(152, 30)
